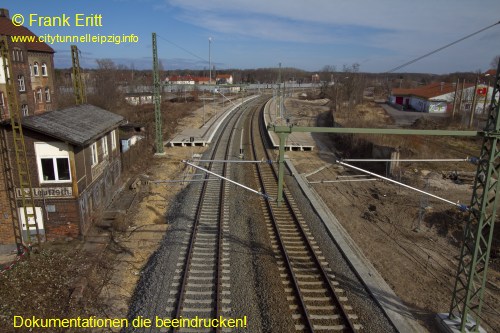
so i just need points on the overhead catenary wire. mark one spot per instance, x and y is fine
(441, 48)
(183, 49)
(459, 205)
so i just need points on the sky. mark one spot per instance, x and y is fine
(379, 35)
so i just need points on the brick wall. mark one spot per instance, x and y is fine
(64, 222)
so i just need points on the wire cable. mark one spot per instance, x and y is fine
(440, 49)
(183, 49)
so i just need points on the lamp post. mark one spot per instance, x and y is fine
(209, 60)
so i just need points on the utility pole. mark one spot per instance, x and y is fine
(461, 96)
(470, 283)
(157, 100)
(473, 107)
(455, 98)
(209, 60)
(278, 102)
(78, 82)
(486, 96)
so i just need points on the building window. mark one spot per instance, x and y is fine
(35, 69)
(113, 140)
(31, 70)
(2, 101)
(93, 152)
(53, 162)
(20, 80)
(24, 110)
(47, 94)
(44, 69)
(104, 143)
(39, 95)
(17, 55)
(55, 169)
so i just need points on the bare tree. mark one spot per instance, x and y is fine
(105, 93)
(352, 86)
(327, 73)
(494, 61)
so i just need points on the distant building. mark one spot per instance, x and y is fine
(187, 79)
(139, 98)
(437, 97)
(315, 78)
(224, 79)
(32, 71)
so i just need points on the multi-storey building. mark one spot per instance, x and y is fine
(32, 71)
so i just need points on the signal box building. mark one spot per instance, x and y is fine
(75, 165)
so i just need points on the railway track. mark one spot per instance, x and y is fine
(201, 286)
(317, 301)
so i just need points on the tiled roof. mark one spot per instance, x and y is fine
(188, 78)
(9, 29)
(429, 91)
(79, 125)
(224, 76)
(491, 72)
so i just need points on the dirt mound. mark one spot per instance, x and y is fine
(428, 123)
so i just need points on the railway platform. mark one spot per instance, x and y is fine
(295, 141)
(200, 137)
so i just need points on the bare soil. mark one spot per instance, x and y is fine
(413, 240)
(65, 281)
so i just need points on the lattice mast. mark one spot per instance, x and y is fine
(32, 236)
(470, 283)
(157, 99)
(78, 82)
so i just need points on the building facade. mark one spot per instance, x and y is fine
(75, 164)
(438, 97)
(32, 66)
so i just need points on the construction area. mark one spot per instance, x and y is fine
(102, 211)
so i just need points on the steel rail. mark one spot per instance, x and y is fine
(198, 215)
(309, 248)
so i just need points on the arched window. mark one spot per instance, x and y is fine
(39, 95)
(24, 109)
(20, 80)
(47, 94)
(35, 69)
(44, 69)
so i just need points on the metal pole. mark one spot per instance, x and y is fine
(157, 102)
(409, 160)
(241, 144)
(281, 166)
(342, 181)
(473, 107)
(461, 96)
(455, 99)
(209, 60)
(470, 282)
(486, 97)
(235, 161)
